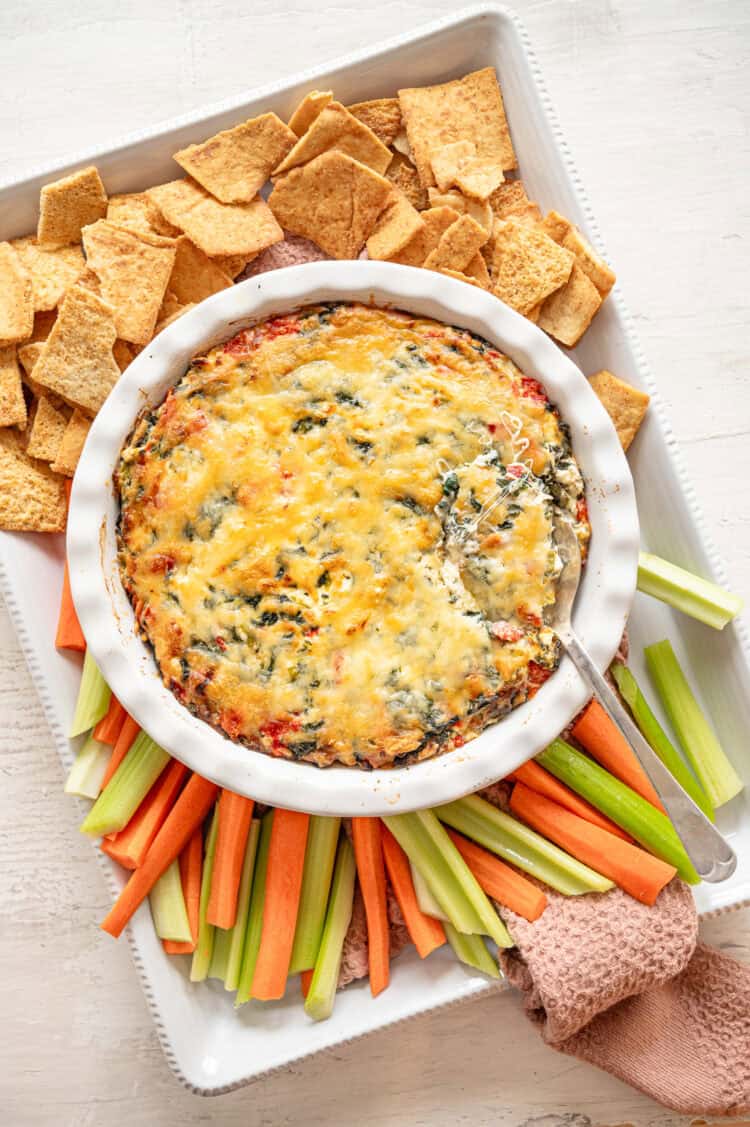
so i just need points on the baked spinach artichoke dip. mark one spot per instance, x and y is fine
(336, 532)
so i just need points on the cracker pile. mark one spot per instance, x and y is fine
(428, 178)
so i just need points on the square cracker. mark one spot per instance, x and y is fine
(464, 205)
(234, 165)
(625, 405)
(526, 266)
(76, 361)
(194, 275)
(336, 128)
(311, 105)
(135, 209)
(381, 115)
(509, 198)
(72, 443)
(403, 174)
(334, 200)
(568, 312)
(68, 205)
(52, 270)
(16, 297)
(458, 245)
(12, 402)
(134, 269)
(398, 223)
(467, 109)
(47, 430)
(593, 265)
(32, 497)
(217, 228)
(436, 220)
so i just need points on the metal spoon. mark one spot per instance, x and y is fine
(711, 854)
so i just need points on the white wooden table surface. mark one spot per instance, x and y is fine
(653, 97)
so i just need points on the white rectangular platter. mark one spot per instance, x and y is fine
(210, 1047)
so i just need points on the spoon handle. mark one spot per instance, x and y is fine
(711, 854)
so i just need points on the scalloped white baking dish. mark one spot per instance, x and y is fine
(209, 1047)
(604, 599)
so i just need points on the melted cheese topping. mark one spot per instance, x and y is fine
(312, 538)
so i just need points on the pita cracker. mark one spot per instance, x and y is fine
(194, 275)
(76, 361)
(16, 297)
(136, 210)
(436, 221)
(460, 277)
(46, 431)
(446, 162)
(336, 129)
(568, 312)
(28, 354)
(401, 143)
(458, 245)
(32, 497)
(467, 109)
(68, 205)
(526, 265)
(403, 174)
(234, 165)
(625, 405)
(398, 223)
(43, 323)
(134, 269)
(90, 281)
(173, 315)
(533, 314)
(477, 270)
(72, 444)
(593, 265)
(123, 353)
(464, 205)
(232, 264)
(478, 178)
(12, 402)
(52, 270)
(509, 198)
(217, 228)
(308, 109)
(381, 115)
(334, 200)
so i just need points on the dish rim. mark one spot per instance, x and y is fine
(126, 662)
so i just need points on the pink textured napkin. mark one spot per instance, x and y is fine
(604, 978)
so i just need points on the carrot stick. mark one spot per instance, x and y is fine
(368, 852)
(191, 867)
(500, 881)
(128, 732)
(634, 870)
(305, 979)
(286, 859)
(69, 635)
(235, 814)
(601, 737)
(426, 932)
(540, 780)
(110, 725)
(181, 823)
(132, 843)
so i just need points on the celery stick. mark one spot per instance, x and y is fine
(254, 928)
(93, 698)
(657, 737)
(471, 950)
(320, 856)
(523, 847)
(627, 809)
(715, 773)
(426, 901)
(322, 992)
(168, 909)
(127, 788)
(86, 774)
(684, 591)
(217, 968)
(237, 942)
(205, 945)
(448, 877)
